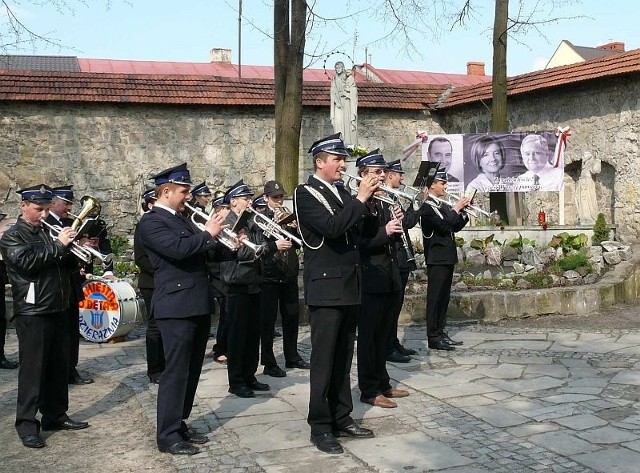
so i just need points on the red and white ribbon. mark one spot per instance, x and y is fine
(562, 134)
(421, 137)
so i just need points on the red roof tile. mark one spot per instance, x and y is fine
(392, 76)
(615, 64)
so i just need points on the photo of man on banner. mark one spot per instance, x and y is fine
(447, 150)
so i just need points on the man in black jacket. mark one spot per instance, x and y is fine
(279, 288)
(153, 337)
(439, 223)
(328, 217)
(4, 279)
(40, 303)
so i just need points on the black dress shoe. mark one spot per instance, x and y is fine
(64, 425)
(242, 391)
(453, 342)
(274, 371)
(406, 351)
(154, 378)
(8, 365)
(180, 448)
(77, 379)
(33, 441)
(354, 430)
(396, 357)
(300, 364)
(441, 345)
(327, 443)
(258, 386)
(192, 436)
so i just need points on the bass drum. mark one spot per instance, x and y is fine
(109, 309)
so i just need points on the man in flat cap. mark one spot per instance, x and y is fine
(329, 219)
(40, 303)
(181, 303)
(439, 223)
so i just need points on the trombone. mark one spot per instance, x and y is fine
(82, 252)
(227, 237)
(271, 228)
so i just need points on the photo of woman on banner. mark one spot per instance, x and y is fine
(541, 174)
(448, 151)
(488, 157)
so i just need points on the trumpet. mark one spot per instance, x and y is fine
(271, 228)
(392, 194)
(82, 252)
(472, 209)
(227, 237)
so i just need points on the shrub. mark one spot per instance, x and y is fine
(573, 261)
(119, 244)
(600, 230)
(568, 242)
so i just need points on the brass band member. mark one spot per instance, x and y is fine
(439, 223)
(201, 196)
(329, 219)
(4, 279)
(40, 303)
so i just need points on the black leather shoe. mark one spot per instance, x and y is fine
(242, 391)
(154, 378)
(441, 345)
(396, 357)
(327, 443)
(192, 436)
(258, 386)
(64, 425)
(274, 371)
(77, 379)
(180, 448)
(453, 342)
(406, 351)
(300, 364)
(33, 441)
(8, 365)
(354, 430)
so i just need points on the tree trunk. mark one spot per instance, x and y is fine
(289, 23)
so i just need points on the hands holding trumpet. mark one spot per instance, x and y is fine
(394, 225)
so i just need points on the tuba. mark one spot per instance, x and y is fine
(90, 205)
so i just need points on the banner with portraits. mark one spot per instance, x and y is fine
(500, 162)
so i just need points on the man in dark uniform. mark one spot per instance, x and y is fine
(40, 304)
(439, 223)
(59, 209)
(403, 250)
(153, 337)
(381, 288)
(279, 289)
(327, 219)
(181, 303)
(4, 279)
(201, 196)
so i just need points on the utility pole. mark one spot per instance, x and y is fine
(239, 38)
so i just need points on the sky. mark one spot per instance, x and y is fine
(162, 30)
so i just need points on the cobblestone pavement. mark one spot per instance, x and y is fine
(512, 399)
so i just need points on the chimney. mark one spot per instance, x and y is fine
(615, 46)
(220, 55)
(475, 69)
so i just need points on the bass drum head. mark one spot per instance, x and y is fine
(109, 309)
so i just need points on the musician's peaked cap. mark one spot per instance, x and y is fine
(259, 202)
(395, 166)
(63, 192)
(201, 189)
(373, 160)
(176, 175)
(441, 175)
(219, 202)
(149, 195)
(272, 188)
(239, 189)
(332, 144)
(40, 193)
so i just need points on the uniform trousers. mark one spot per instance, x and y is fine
(393, 342)
(73, 326)
(333, 333)
(222, 332)
(438, 294)
(43, 351)
(185, 342)
(3, 329)
(374, 328)
(285, 296)
(153, 338)
(244, 338)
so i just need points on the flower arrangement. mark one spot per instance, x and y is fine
(357, 151)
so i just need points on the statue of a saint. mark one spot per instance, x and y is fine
(344, 104)
(586, 189)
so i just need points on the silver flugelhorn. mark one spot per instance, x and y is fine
(392, 194)
(271, 228)
(82, 252)
(471, 209)
(227, 237)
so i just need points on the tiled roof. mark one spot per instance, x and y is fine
(615, 64)
(392, 76)
(39, 63)
(160, 89)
